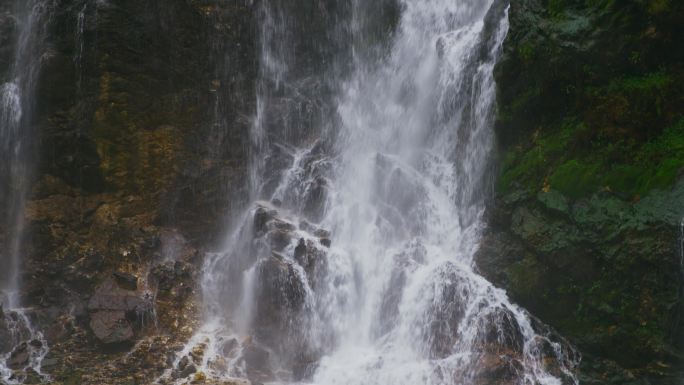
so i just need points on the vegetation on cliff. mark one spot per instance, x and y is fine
(590, 196)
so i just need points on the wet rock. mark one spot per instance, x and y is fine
(257, 362)
(280, 297)
(183, 363)
(313, 259)
(304, 371)
(279, 239)
(494, 369)
(112, 309)
(197, 353)
(278, 232)
(447, 310)
(278, 160)
(300, 250)
(18, 377)
(314, 207)
(187, 371)
(306, 226)
(109, 296)
(111, 326)
(19, 357)
(199, 378)
(321, 233)
(262, 216)
(126, 281)
(228, 347)
(500, 333)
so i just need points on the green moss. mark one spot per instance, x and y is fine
(567, 162)
(526, 52)
(556, 6)
(656, 7)
(575, 178)
(656, 80)
(526, 277)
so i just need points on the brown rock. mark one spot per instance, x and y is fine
(111, 326)
(110, 309)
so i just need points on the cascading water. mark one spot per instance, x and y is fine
(25, 347)
(356, 264)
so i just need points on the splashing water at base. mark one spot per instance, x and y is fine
(28, 348)
(358, 266)
(22, 347)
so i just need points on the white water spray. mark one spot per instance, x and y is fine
(359, 269)
(27, 347)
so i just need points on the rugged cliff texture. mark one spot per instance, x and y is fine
(585, 227)
(142, 112)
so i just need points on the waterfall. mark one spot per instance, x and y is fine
(16, 163)
(370, 164)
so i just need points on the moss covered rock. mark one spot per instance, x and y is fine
(586, 222)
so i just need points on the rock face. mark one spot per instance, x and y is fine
(585, 225)
(115, 308)
(140, 134)
(280, 297)
(143, 144)
(285, 284)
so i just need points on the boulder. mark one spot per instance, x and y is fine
(280, 297)
(19, 357)
(313, 259)
(228, 348)
(499, 333)
(446, 309)
(187, 371)
(498, 369)
(257, 362)
(114, 310)
(111, 326)
(316, 199)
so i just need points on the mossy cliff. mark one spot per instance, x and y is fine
(585, 225)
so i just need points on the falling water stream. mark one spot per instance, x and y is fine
(16, 162)
(370, 174)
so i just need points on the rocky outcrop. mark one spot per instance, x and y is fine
(286, 284)
(141, 140)
(116, 308)
(585, 225)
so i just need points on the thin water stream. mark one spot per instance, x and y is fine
(27, 346)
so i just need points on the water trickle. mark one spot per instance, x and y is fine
(369, 179)
(27, 347)
(79, 42)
